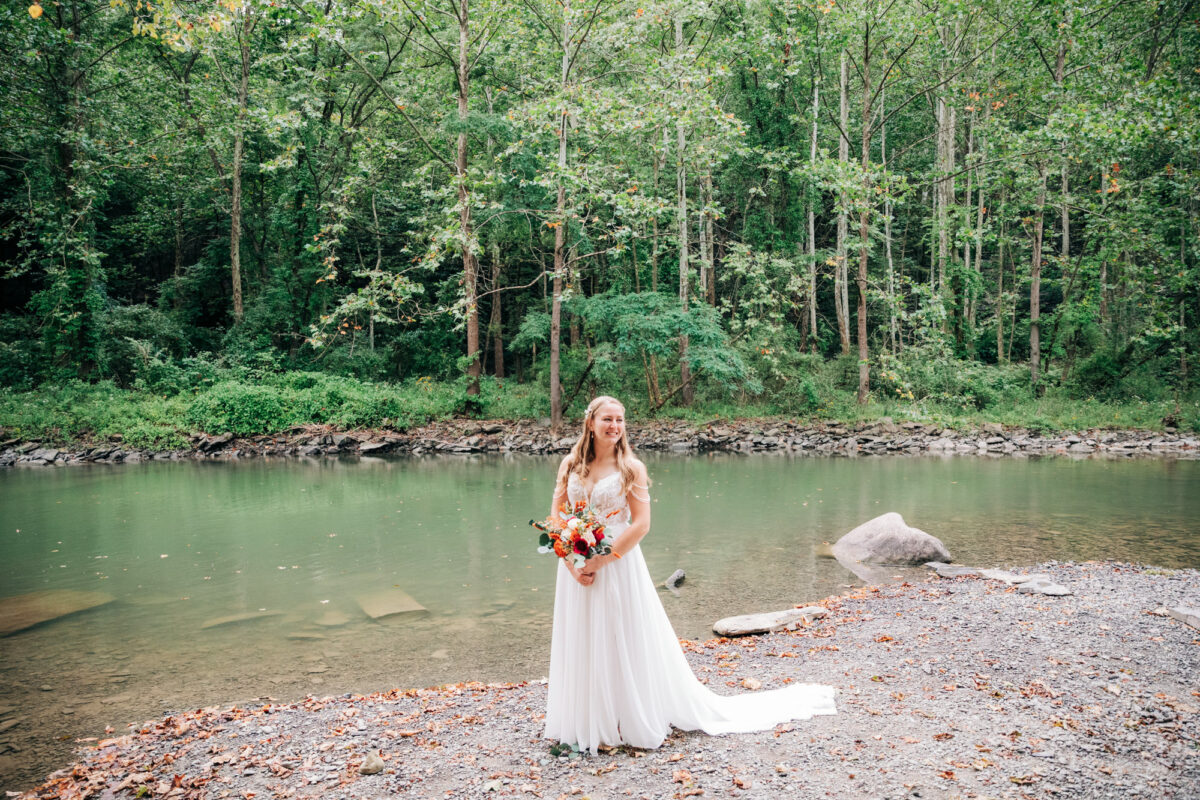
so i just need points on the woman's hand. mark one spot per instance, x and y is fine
(584, 578)
(594, 563)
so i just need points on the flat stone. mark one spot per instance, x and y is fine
(1011, 578)
(387, 602)
(1186, 614)
(232, 619)
(1043, 586)
(749, 624)
(332, 619)
(44, 454)
(951, 570)
(26, 610)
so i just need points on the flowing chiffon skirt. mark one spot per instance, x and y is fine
(619, 676)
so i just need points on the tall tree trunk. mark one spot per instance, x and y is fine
(812, 225)
(685, 371)
(840, 290)
(239, 138)
(709, 249)
(1035, 284)
(470, 268)
(1000, 301)
(864, 219)
(560, 233)
(887, 226)
(496, 324)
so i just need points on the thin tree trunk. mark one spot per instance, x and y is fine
(710, 254)
(1000, 301)
(560, 206)
(685, 371)
(1035, 285)
(470, 268)
(235, 212)
(378, 268)
(812, 224)
(497, 322)
(840, 289)
(864, 218)
(887, 227)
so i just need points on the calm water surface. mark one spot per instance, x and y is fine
(180, 544)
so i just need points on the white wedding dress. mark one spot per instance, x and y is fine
(617, 672)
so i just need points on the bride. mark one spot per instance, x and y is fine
(617, 672)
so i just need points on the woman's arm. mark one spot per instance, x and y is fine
(557, 502)
(639, 521)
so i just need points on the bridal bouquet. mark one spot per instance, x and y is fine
(576, 533)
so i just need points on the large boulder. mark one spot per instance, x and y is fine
(889, 540)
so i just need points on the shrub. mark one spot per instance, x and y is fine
(239, 408)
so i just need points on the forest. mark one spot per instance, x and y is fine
(247, 214)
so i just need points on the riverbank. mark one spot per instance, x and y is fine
(962, 687)
(882, 437)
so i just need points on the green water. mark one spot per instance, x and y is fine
(178, 544)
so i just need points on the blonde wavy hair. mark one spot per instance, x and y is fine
(579, 460)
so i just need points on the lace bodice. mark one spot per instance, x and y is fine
(606, 496)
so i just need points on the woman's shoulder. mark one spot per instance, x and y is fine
(639, 468)
(564, 466)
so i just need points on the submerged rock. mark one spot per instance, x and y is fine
(232, 619)
(26, 610)
(888, 539)
(388, 602)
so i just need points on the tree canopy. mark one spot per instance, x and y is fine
(675, 199)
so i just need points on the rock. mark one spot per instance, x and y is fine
(332, 619)
(371, 765)
(232, 619)
(992, 427)
(749, 624)
(951, 570)
(9, 724)
(371, 447)
(677, 577)
(388, 602)
(941, 444)
(1011, 578)
(208, 445)
(44, 454)
(1185, 614)
(307, 636)
(1041, 584)
(887, 539)
(753, 684)
(26, 610)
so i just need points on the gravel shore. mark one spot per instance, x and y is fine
(962, 687)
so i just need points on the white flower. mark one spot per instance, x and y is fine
(574, 523)
(590, 538)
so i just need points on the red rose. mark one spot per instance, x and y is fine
(581, 547)
(599, 534)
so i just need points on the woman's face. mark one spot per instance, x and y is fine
(608, 423)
